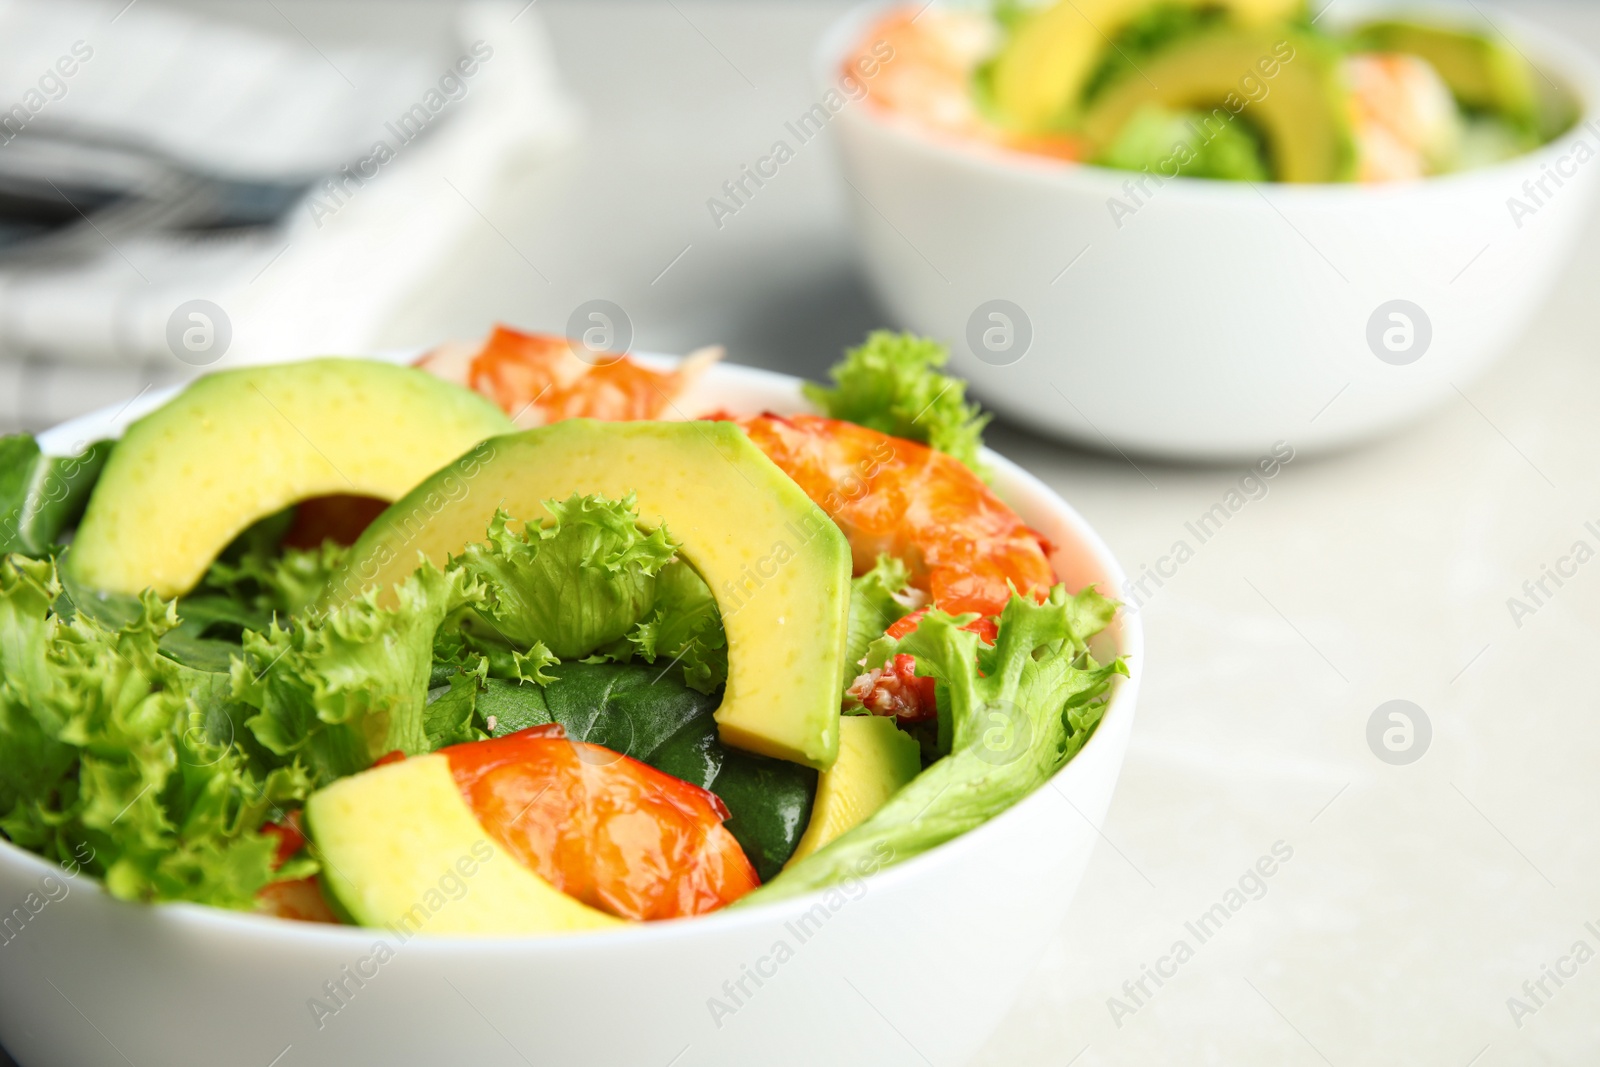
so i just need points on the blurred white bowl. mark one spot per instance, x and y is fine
(916, 965)
(1218, 317)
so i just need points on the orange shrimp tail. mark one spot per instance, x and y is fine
(963, 545)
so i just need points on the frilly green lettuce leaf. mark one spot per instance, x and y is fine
(878, 599)
(335, 692)
(268, 581)
(1016, 713)
(684, 627)
(456, 652)
(892, 384)
(117, 759)
(574, 585)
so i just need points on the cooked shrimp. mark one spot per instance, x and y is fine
(923, 61)
(920, 65)
(1406, 122)
(539, 378)
(963, 545)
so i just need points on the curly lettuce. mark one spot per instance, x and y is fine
(1011, 715)
(590, 584)
(112, 750)
(272, 581)
(574, 585)
(685, 628)
(892, 384)
(878, 599)
(333, 693)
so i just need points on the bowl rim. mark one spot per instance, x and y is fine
(1574, 66)
(1013, 481)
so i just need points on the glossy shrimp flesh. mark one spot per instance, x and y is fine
(1405, 121)
(917, 64)
(540, 378)
(962, 544)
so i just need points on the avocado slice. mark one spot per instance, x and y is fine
(1483, 73)
(1037, 81)
(876, 759)
(1299, 108)
(234, 447)
(777, 565)
(401, 849)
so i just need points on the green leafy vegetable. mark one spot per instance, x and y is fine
(338, 691)
(206, 715)
(269, 581)
(1187, 143)
(892, 384)
(252, 582)
(686, 628)
(589, 584)
(769, 800)
(42, 496)
(878, 600)
(641, 712)
(456, 652)
(1014, 712)
(451, 719)
(111, 750)
(575, 585)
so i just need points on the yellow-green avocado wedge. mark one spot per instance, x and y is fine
(1301, 110)
(400, 848)
(876, 759)
(1039, 76)
(1483, 74)
(778, 567)
(237, 446)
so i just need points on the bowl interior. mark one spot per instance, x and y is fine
(1571, 68)
(1080, 558)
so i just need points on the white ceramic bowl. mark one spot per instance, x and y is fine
(1218, 317)
(915, 966)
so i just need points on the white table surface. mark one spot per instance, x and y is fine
(1419, 898)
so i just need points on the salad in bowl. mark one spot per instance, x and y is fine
(1238, 90)
(327, 641)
